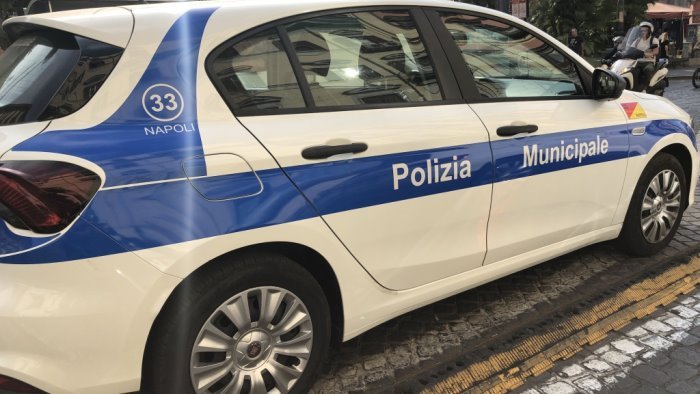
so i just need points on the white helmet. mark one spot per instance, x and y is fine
(647, 24)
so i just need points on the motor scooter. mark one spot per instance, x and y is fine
(624, 59)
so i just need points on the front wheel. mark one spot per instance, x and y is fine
(257, 325)
(696, 78)
(656, 209)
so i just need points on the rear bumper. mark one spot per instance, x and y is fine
(79, 326)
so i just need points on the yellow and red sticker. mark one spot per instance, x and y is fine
(634, 110)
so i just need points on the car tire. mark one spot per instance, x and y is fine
(696, 78)
(206, 309)
(652, 219)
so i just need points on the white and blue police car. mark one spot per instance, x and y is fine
(203, 197)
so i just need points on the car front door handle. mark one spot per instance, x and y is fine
(325, 151)
(509, 131)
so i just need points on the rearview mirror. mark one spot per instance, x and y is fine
(607, 85)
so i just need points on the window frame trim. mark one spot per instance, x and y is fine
(443, 70)
(457, 61)
(297, 69)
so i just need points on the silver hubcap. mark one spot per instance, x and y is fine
(259, 341)
(661, 206)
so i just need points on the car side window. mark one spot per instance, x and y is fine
(508, 62)
(362, 58)
(255, 75)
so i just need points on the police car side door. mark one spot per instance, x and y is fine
(362, 112)
(560, 156)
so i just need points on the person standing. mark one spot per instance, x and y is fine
(575, 42)
(663, 44)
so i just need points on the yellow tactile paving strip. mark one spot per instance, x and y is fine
(507, 370)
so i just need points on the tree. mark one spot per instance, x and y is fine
(594, 19)
(635, 11)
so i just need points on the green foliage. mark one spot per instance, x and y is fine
(635, 12)
(595, 19)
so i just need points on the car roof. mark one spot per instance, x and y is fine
(103, 23)
(308, 5)
(313, 5)
(109, 24)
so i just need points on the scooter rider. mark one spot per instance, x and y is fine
(650, 46)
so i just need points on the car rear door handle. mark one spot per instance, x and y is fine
(509, 131)
(326, 151)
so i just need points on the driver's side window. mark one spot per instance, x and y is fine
(508, 62)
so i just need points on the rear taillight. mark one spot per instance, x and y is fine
(44, 196)
(9, 385)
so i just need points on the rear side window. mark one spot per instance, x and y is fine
(49, 74)
(348, 60)
(96, 62)
(255, 74)
(364, 58)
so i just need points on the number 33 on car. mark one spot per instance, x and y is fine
(203, 197)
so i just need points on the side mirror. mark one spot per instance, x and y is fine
(607, 85)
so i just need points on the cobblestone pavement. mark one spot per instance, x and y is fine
(402, 354)
(659, 354)
(682, 93)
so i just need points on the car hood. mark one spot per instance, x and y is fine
(656, 107)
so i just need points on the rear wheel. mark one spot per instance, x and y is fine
(259, 325)
(656, 209)
(696, 78)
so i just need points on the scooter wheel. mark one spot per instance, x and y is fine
(696, 78)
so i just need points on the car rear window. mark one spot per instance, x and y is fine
(49, 74)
